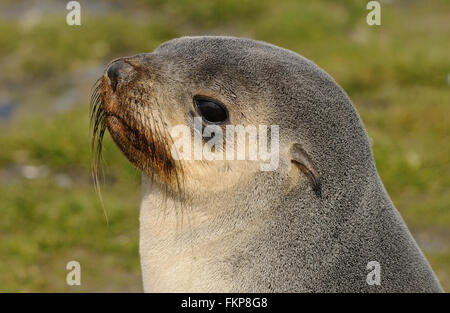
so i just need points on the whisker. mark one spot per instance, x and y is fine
(97, 128)
(173, 165)
(153, 139)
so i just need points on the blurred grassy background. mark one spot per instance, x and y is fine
(397, 74)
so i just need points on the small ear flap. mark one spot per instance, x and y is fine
(300, 158)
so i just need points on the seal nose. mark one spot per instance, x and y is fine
(117, 71)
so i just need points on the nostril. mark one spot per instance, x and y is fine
(113, 74)
(117, 71)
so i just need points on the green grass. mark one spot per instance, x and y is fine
(396, 75)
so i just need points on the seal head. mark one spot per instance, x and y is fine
(312, 224)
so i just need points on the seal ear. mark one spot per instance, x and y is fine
(302, 160)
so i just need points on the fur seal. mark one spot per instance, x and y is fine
(312, 225)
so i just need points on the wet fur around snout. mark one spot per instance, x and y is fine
(312, 225)
(136, 127)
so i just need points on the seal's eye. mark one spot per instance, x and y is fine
(211, 110)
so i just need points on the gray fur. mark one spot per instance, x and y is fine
(262, 234)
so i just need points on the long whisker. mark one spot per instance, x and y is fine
(97, 128)
(150, 133)
(175, 166)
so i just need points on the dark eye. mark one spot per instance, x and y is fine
(211, 110)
